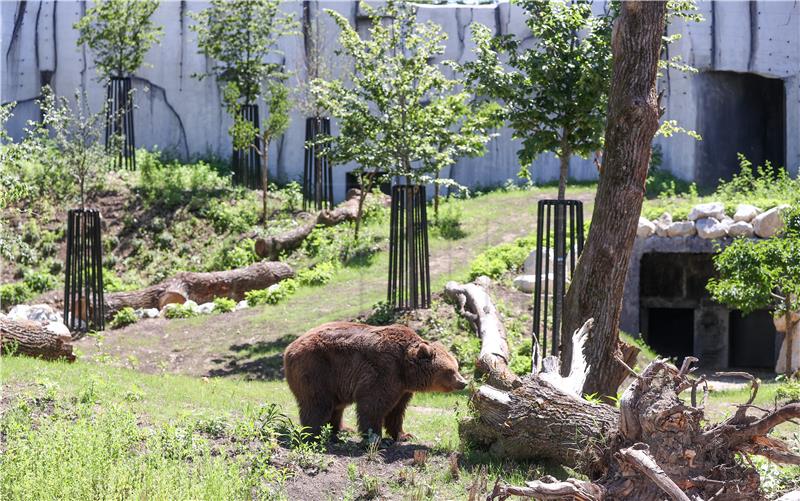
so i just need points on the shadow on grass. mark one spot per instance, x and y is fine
(258, 361)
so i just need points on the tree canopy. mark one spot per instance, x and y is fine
(119, 33)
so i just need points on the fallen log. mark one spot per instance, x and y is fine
(657, 446)
(201, 287)
(27, 337)
(273, 246)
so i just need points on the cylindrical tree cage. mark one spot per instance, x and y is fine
(409, 263)
(119, 123)
(317, 171)
(246, 162)
(83, 283)
(559, 242)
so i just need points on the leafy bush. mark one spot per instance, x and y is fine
(497, 260)
(448, 223)
(291, 196)
(223, 305)
(229, 257)
(174, 184)
(382, 314)
(38, 281)
(320, 274)
(125, 316)
(234, 218)
(16, 293)
(179, 311)
(112, 283)
(273, 294)
(788, 391)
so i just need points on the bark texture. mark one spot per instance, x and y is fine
(201, 287)
(26, 337)
(633, 113)
(272, 247)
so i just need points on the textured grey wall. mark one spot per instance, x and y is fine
(181, 114)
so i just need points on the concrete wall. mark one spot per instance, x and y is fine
(183, 115)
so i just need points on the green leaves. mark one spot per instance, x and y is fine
(120, 33)
(400, 114)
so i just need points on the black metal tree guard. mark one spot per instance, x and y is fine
(409, 264)
(317, 171)
(83, 284)
(559, 230)
(119, 122)
(246, 162)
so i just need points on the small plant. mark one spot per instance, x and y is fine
(496, 261)
(320, 274)
(449, 222)
(273, 294)
(179, 311)
(223, 305)
(371, 485)
(16, 293)
(789, 390)
(382, 314)
(125, 316)
(38, 281)
(238, 255)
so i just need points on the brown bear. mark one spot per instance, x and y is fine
(378, 368)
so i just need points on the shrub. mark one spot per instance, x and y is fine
(382, 314)
(112, 283)
(788, 391)
(38, 281)
(320, 274)
(179, 311)
(16, 293)
(229, 257)
(224, 304)
(174, 184)
(448, 223)
(273, 294)
(125, 316)
(234, 218)
(292, 196)
(497, 260)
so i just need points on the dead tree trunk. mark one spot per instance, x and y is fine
(656, 446)
(272, 247)
(201, 287)
(31, 338)
(633, 112)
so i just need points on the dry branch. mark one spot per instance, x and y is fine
(31, 338)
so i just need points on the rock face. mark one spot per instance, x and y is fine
(746, 213)
(662, 223)
(681, 229)
(769, 223)
(702, 211)
(709, 228)
(740, 229)
(645, 228)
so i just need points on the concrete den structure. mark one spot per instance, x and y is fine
(746, 96)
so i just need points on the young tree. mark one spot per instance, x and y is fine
(400, 115)
(633, 114)
(763, 274)
(241, 37)
(555, 93)
(119, 32)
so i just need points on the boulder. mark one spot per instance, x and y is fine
(746, 212)
(241, 305)
(709, 228)
(483, 281)
(529, 266)
(740, 229)
(645, 228)
(206, 308)
(150, 313)
(662, 223)
(525, 283)
(60, 330)
(681, 229)
(769, 223)
(702, 211)
(189, 304)
(43, 313)
(19, 312)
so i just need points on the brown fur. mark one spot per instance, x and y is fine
(377, 368)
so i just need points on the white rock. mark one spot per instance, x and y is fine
(241, 305)
(192, 306)
(645, 228)
(712, 209)
(746, 212)
(60, 330)
(709, 228)
(19, 312)
(206, 308)
(681, 229)
(662, 223)
(42, 313)
(483, 281)
(740, 229)
(769, 223)
(150, 312)
(525, 283)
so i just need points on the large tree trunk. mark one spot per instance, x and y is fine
(201, 287)
(31, 338)
(597, 285)
(272, 247)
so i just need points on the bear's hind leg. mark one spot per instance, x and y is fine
(394, 420)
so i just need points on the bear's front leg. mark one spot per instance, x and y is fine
(372, 411)
(394, 420)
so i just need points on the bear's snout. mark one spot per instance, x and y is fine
(460, 382)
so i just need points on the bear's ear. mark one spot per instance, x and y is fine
(422, 351)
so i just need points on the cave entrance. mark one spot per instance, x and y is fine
(752, 340)
(738, 113)
(670, 331)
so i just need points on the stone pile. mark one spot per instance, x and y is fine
(42, 313)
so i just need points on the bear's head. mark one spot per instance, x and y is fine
(433, 368)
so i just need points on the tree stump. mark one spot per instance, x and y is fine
(27, 337)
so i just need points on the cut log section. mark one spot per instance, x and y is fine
(26, 337)
(272, 247)
(201, 287)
